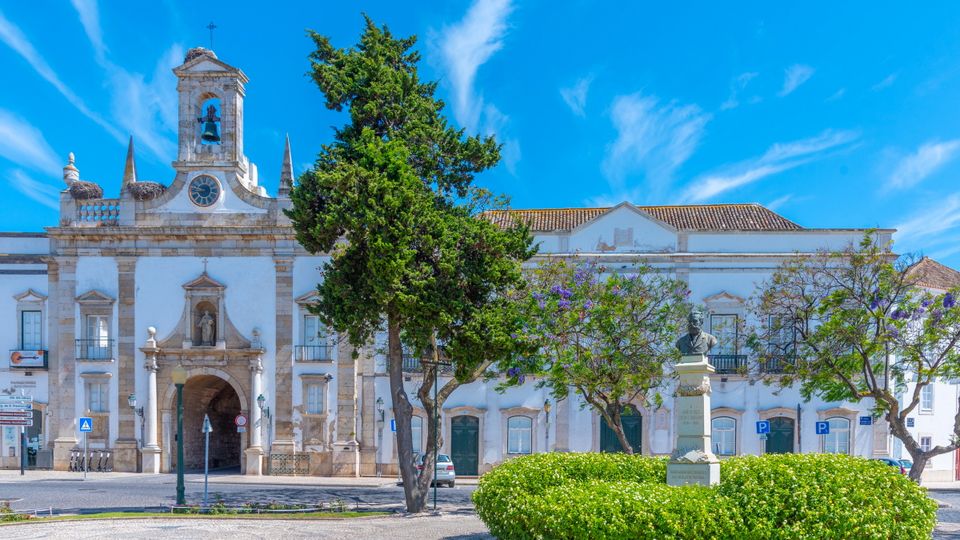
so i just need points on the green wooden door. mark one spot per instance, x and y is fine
(465, 444)
(780, 438)
(632, 428)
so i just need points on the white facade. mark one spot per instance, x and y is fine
(124, 286)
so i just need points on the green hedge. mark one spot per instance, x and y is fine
(826, 496)
(772, 496)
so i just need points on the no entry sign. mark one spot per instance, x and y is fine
(240, 420)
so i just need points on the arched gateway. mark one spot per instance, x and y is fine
(212, 396)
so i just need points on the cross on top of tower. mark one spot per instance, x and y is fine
(211, 27)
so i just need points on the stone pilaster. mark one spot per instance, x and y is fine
(63, 360)
(693, 461)
(151, 450)
(368, 413)
(283, 381)
(346, 455)
(561, 441)
(125, 447)
(254, 453)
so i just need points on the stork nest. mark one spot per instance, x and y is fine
(82, 191)
(145, 191)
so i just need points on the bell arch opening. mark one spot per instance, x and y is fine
(215, 397)
(209, 119)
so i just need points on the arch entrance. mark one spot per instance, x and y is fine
(215, 397)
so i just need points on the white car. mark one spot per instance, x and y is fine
(446, 474)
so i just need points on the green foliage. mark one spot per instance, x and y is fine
(607, 335)
(767, 497)
(7, 514)
(825, 496)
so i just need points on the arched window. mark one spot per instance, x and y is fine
(837, 441)
(723, 434)
(416, 428)
(519, 435)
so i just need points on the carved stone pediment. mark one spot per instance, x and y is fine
(204, 323)
(94, 297)
(204, 282)
(30, 295)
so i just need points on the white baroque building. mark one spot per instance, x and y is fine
(206, 273)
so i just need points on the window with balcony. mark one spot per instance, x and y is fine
(725, 356)
(31, 330)
(316, 345)
(782, 348)
(723, 434)
(96, 343)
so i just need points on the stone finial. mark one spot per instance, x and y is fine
(151, 337)
(286, 171)
(130, 168)
(70, 173)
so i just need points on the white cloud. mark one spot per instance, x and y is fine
(793, 77)
(837, 95)
(926, 227)
(779, 201)
(652, 138)
(576, 96)
(90, 19)
(465, 47)
(738, 85)
(778, 158)
(25, 145)
(915, 167)
(14, 38)
(44, 194)
(885, 83)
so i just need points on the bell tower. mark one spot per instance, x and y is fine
(210, 133)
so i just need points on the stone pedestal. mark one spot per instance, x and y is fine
(346, 459)
(150, 460)
(254, 457)
(125, 455)
(693, 461)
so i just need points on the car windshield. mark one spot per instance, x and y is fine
(443, 458)
(906, 463)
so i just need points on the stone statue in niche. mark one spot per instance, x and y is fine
(696, 341)
(207, 326)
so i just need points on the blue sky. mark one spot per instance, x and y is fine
(835, 114)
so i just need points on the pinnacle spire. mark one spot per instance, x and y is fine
(286, 171)
(130, 169)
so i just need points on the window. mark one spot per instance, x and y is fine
(838, 440)
(31, 336)
(926, 398)
(97, 336)
(926, 443)
(723, 433)
(314, 400)
(782, 336)
(98, 396)
(416, 428)
(519, 435)
(724, 327)
(316, 347)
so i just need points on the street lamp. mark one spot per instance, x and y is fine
(265, 412)
(179, 376)
(379, 434)
(546, 410)
(132, 402)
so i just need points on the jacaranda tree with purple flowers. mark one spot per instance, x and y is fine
(855, 324)
(606, 335)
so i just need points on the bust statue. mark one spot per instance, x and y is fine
(696, 341)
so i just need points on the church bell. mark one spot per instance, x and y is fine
(210, 132)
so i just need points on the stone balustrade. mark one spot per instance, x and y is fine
(98, 211)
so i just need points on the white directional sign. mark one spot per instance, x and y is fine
(16, 411)
(85, 424)
(207, 428)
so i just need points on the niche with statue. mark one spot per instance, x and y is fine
(204, 323)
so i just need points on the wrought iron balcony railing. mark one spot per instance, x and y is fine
(95, 349)
(411, 364)
(778, 364)
(727, 364)
(314, 353)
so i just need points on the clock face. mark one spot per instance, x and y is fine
(204, 190)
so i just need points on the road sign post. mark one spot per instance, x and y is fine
(207, 428)
(85, 425)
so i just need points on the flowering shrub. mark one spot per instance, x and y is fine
(772, 496)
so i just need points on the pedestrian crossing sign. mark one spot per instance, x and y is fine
(86, 424)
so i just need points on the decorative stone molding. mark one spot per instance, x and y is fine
(205, 293)
(313, 425)
(694, 390)
(526, 412)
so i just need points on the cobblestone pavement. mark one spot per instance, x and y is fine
(449, 526)
(948, 516)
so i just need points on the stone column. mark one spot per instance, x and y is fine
(150, 457)
(368, 413)
(693, 462)
(63, 368)
(254, 452)
(283, 381)
(561, 442)
(125, 448)
(346, 454)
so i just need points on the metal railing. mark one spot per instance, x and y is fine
(95, 349)
(726, 364)
(778, 364)
(411, 364)
(314, 353)
(288, 464)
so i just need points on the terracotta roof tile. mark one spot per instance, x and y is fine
(707, 217)
(933, 275)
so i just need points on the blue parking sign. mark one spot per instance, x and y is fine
(763, 427)
(823, 428)
(85, 424)
(393, 425)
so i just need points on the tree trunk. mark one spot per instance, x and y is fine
(402, 413)
(616, 424)
(919, 463)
